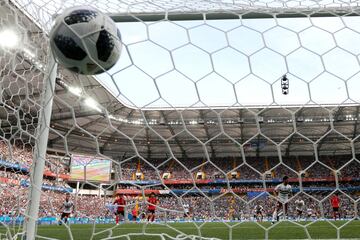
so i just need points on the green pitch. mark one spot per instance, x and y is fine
(247, 230)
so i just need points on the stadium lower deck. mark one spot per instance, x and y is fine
(215, 211)
(210, 198)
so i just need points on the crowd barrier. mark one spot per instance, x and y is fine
(21, 168)
(25, 183)
(242, 181)
(54, 220)
(217, 191)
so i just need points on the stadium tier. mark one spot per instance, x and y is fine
(173, 119)
(316, 184)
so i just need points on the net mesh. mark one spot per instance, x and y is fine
(211, 159)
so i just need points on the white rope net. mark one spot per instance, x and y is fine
(195, 112)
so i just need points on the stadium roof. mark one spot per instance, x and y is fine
(104, 125)
(222, 131)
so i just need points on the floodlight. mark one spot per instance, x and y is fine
(75, 90)
(90, 102)
(8, 38)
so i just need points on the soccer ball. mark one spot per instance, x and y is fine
(85, 40)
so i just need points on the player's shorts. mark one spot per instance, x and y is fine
(259, 212)
(120, 212)
(186, 214)
(152, 211)
(281, 204)
(299, 211)
(65, 215)
(335, 209)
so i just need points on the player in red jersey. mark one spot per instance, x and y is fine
(134, 213)
(153, 201)
(120, 207)
(335, 203)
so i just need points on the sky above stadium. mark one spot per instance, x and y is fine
(188, 63)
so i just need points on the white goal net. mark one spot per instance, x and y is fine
(189, 135)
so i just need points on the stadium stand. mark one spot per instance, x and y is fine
(318, 179)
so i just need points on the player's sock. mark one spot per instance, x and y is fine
(152, 218)
(117, 219)
(278, 216)
(274, 215)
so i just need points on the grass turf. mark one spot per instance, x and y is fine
(246, 230)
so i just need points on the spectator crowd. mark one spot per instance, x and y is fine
(14, 196)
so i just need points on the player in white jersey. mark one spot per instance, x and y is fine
(309, 213)
(300, 205)
(67, 208)
(282, 192)
(259, 212)
(186, 207)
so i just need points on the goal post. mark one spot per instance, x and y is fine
(233, 15)
(40, 149)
